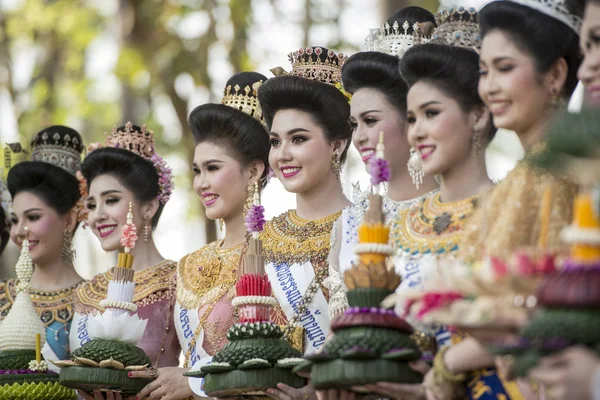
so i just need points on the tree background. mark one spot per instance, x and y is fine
(92, 64)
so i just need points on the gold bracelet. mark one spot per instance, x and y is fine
(442, 371)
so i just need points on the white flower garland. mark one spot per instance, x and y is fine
(42, 366)
(377, 248)
(123, 305)
(577, 235)
(260, 300)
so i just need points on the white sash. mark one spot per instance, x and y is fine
(78, 335)
(186, 323)
(290, 283)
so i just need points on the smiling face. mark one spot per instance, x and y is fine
(108, 205)
(370, 114)
(510, 86)
(589, 72)
(300, 153)
(46, 227)
(221, 181)
(440, 130)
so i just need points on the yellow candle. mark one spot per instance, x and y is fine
(583, 217)
(38, 347)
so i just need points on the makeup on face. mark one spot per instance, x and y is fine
(301, 155)
(45, 228)
(219, 180)
(108, 204)
(509, 84)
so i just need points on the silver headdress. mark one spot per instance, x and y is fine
(58, 145)
(396, 39)
(457, 27)
(556, 9)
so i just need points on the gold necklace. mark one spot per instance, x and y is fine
(432, 227)
(291, 239)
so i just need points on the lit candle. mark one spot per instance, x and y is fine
(38, 348)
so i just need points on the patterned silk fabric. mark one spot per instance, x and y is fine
(154, 295)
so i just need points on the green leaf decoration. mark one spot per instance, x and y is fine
(255, 363)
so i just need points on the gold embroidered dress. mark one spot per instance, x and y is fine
(528, 209)
(54, 308)
(155, 297)
(206, 282)
(296, 253)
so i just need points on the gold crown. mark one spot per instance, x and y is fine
(139, 142)
(244, 99)
(313, 63)
(458, 27)
(62, 151)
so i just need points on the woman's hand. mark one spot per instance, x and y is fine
(334, 394)
(170, 384)
(285, 392)
(399, 391)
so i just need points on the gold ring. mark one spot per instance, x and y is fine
(151, 372)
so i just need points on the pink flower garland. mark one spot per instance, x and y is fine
(165, 178)
(129, 236)
(379, 169)
(255, 219)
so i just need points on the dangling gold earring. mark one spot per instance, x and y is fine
(147, 230)
(336, 166)
(556, 101)
(67, 252)
(415, 168)
(249, 199)
(476, 141)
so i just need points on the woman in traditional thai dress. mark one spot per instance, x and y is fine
(528, 66)
(449, 127)
(307, 119)
(127, 170)
(575, 372)
(45, 209)
(378, 105)
(230, 161)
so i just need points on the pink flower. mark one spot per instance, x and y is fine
(379, 170)
(433, 301)
(255, 219)
(129, 236)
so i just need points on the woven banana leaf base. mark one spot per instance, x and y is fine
(253, 382)
(343, 374)
(50, 390)
(93, 378)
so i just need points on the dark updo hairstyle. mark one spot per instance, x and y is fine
(133, 171)
(326, 104)
(453, 70)
(4, 230)
(378, 71)
(546, 39)
(411, 14)
(55, 186)
(235, 130)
